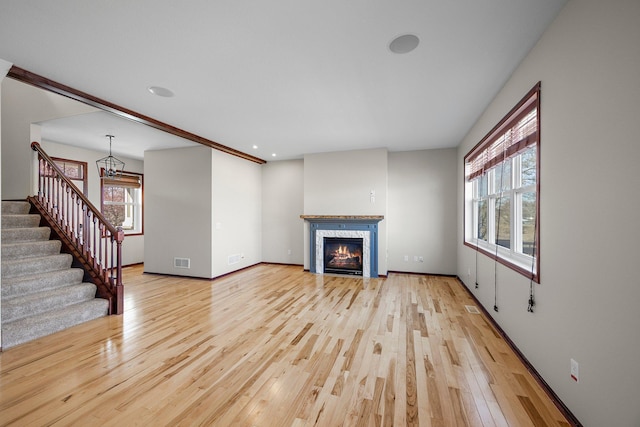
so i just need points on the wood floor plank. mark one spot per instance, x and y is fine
(274, 345)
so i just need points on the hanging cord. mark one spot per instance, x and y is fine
(495, 266)
(532, 301)
(477, 244)
(478, 231)
(478, 234)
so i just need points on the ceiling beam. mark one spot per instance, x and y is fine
(33, 79)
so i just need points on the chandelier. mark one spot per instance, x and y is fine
(110, 167)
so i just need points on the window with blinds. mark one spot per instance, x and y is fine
(502, 189)
(122, 201)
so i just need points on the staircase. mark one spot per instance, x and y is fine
(41, 293)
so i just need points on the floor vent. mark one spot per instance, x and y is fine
(182, 262)
(472, 309)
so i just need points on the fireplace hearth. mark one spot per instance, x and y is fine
(343, 255)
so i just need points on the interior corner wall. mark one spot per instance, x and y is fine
(4, 67)
(340, 183)
(177, 215)
(282, 205)
(22, 106)
(421, 211)
(588, 61)
(236, 215)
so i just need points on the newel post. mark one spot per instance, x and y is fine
(119, 286)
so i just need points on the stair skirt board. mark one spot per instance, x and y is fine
(41, 293)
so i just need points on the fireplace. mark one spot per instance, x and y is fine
(343, 255)
(350, 229)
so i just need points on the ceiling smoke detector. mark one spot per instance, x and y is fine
(404, 44)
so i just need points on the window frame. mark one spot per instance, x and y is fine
(134, 231)
(527, 265)
(59, 161)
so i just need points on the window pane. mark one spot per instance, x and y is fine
(502, 176)
(115, 214)
(529, 167)
(482, 220)
(71, 169)
(528, 222)
(482, 186)
(503, 221)
(128, 195)
(114, 194)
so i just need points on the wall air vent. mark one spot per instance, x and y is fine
(472, 309)
(182, 262)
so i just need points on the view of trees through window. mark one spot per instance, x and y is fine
(117, 206)
(122, 201)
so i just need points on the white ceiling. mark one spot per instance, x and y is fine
(289, 76)
(130, 139)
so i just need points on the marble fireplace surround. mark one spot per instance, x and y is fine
(356, 226)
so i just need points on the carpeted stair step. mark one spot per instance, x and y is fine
(24, 267)
(24, 285)
(31, 234)
(30, 328)
(20, 221)
(15, 208)
(25, 250)
(41, 293)
(30, 305)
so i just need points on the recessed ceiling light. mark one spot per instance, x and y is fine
(160, 91)
(404, 44)
(273, 154)
(255, 147)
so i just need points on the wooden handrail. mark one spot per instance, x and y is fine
(60, 175)
(91, 239)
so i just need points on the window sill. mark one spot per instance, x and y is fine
(520, 264)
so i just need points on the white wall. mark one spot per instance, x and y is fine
(421, 218)
(282, 205)
(177, 215)
(4, 68)
(586, 305)
(340, 183)
(23, 105)
(133, 245)
(204, 205)
(236, 213)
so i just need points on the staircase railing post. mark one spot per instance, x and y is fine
(119, 287)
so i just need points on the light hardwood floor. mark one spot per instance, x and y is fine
(276, 346)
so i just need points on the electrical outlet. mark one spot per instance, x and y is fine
(415, 258)
(421, 259)
(468, 272)
(288, 251)
(406, 258)
(575, 371)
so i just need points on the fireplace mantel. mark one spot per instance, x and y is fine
(365, 226)
(318, 218)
